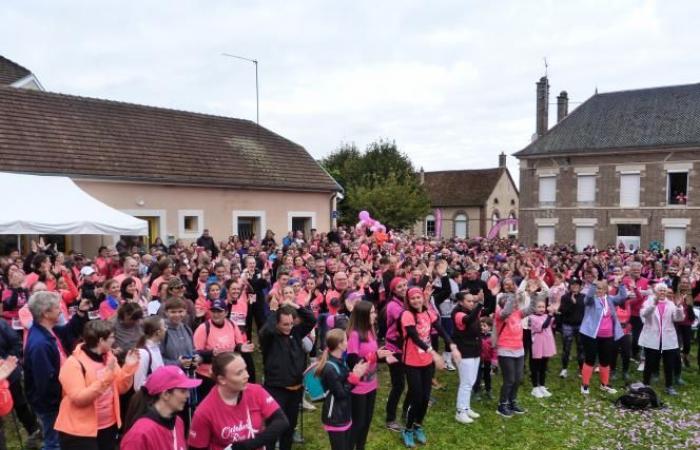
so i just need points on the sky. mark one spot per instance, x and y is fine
(451, 82)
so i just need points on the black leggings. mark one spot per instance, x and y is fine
(420, 383)
(637, 326)
(512, 369)
(21, 407)
(362, 412)
(483, 374)
(398, 383)
(604, 348)
(289, 402)
(653, 360)
(538, 371)
(340, 440)
(106, 440)
(623, 347)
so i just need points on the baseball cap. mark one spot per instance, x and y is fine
(219, 304)
(169, 377)
(87, 271)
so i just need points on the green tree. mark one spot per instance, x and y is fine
(381, 180)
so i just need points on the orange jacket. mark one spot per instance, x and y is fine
(6, 402)
(77, 414)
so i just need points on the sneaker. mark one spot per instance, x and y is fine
(585, 390)
(564, 373)
(545, 392)
(680, 381)
(449, 366)
(536, 392)
(297, 438)
(419, 434)
(504, 411)
(474, 415)
(307, 405)
(640, 368)
(463, 417)
(671, 391)
(596, 369)
(608, 389)
(516, 409)
(394, 426)
(407, 438)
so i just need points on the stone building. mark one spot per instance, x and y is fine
(468, 203)
(622, 167)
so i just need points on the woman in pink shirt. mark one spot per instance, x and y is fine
(109, 306)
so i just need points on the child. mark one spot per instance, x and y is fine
(543, 346)
(488, 358)
(467, 336)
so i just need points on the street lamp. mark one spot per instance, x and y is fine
(257, 92)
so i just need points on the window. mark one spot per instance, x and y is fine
(430, 225)
(629, 190)
(674, 237)
(461, 226)
(548, 190)
(545, 235)
(512, 227)
(585, 236)
(190, 223)
(585, 191)
(677, 188)
(629, 235)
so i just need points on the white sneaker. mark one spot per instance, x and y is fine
(608, 389)
(472, 414)
(596, 369)
(449, 366)
(545, 392)
(463, 417)
(564, 373)
(585, 390)
(536, 392)
(640, 368)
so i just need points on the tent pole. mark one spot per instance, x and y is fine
(19, 244)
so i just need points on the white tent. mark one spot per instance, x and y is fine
(56, 205)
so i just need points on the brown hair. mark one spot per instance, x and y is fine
(220, 361)
(175, 303)
(333, 339)
(95, 330)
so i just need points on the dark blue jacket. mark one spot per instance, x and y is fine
(42, 362)
(10, 346)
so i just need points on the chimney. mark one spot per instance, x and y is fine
(542, 106)
(502, 160)
(422, 175)
(562, 105)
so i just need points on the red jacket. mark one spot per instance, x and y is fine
(6, 402)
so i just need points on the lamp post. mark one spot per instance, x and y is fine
(257, 92)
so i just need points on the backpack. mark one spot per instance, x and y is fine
(312, 383)
(639, 398)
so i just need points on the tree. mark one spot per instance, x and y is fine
(381, 180)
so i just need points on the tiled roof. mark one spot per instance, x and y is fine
(461, 187)
(10, 71)
(663, 117)
(48, 133)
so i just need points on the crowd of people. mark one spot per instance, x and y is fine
(156, 348)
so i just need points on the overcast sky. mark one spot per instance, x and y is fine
(452, 82)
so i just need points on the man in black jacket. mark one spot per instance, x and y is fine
(206, 241)
(571, 310)
(476, 286)
(284, 359)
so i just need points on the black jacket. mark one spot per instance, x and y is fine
(284, 358)
(572, 313)
(468, 340)
(336, 409)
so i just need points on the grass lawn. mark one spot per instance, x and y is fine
(566, 420)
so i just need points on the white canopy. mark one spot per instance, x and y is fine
(56, 205)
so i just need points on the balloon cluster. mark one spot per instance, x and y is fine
(366, 222)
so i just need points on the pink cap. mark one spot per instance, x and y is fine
(169, 377)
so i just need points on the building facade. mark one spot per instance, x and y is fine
(468, 203)
(622, 167)
(181, 171)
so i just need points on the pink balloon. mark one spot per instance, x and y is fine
(364, 215)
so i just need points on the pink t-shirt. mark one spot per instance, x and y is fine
(414, 356)
(216, 425)
(368, 351)
(605, 329)
(661, 307)
(104, 405)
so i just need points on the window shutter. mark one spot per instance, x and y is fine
(586, 189)
(548, 189)
(585, 236)
(674, 237)
(629, 190)
(545, 235)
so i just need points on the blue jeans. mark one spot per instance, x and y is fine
(48, 420)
